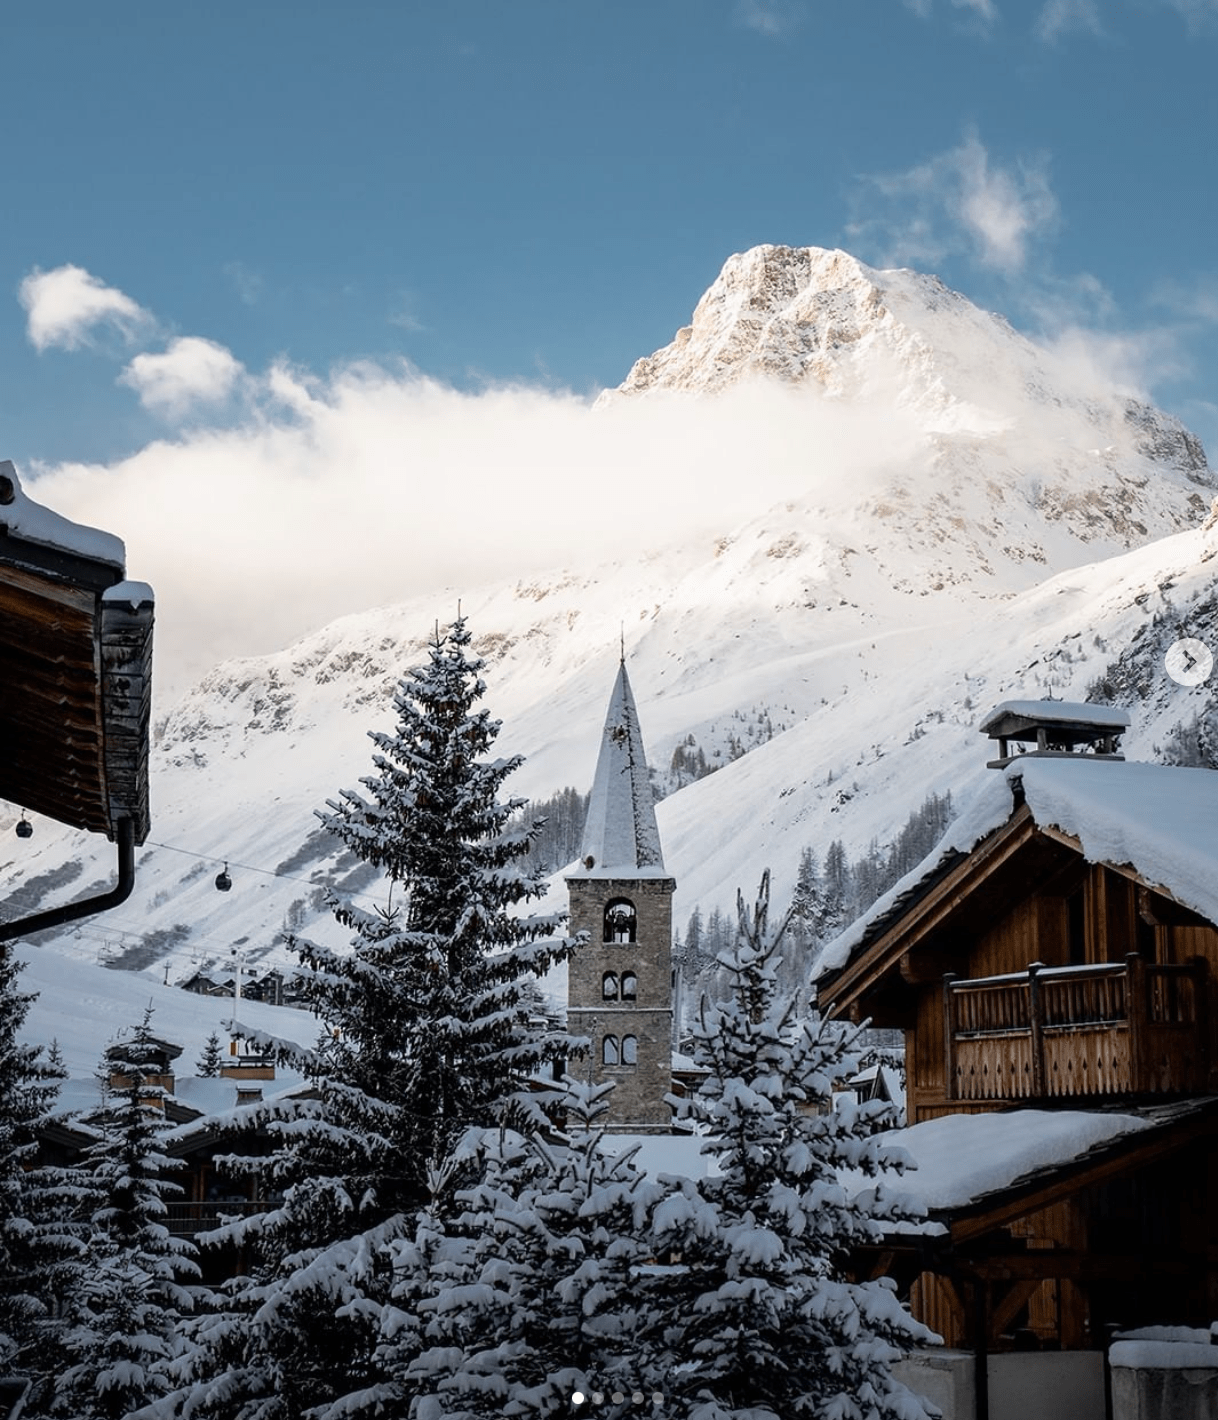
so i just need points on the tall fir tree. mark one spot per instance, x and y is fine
(429, 1031)
(123, 1318)
(41, 1246)
(759, 1320)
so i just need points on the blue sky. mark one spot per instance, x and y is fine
(212, 212)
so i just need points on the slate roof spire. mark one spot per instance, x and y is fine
(620, 835)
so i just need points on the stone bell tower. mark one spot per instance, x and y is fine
(619, 991)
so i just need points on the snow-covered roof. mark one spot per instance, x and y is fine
(620, 835)
(679, 1154)
(958, 1158)
(1161, 821)
(1059, 711)
(24, 518)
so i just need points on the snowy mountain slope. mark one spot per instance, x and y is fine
(100, 1007)
(1022, 536)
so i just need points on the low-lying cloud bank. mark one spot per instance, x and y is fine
(331, 496)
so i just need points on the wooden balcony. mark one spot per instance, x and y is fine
(185, 1220)
(1120, 1028)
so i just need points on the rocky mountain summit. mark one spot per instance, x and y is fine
(1004, 445)
(824, 319)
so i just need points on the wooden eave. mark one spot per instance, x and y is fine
(75, 689)
(877, 960)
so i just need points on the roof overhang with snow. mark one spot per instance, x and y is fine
(1155, 825)
(977, 1173)
(75, 671)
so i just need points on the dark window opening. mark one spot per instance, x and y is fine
(620, 920)
(630, 1050)
(630, 986)
(609, 986)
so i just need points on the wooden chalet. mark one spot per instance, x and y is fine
(75, 686)
(1055, 959)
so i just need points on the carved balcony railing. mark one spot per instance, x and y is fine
(187, 1219)
(1120, 1028)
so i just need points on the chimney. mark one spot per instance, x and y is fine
(1055, 729)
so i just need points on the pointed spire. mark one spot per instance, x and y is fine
(620, 836)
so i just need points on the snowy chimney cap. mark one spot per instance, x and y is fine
(1055, 728)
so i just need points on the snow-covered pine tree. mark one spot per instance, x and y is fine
(529, 1294)
(40, 1246)
(430, 1030)
(123, 1318)
(760, 1321)
(208, 1063)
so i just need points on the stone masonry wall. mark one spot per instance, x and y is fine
(637, 1105)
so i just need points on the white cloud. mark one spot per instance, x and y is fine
(190, 371)
(246, 282)
(373, 485)
(403, 313)
(1198, 14)
(984, 10)
(1059, 17)
(963, 198)
(768, 17)
(64, 307)
(1194, 300)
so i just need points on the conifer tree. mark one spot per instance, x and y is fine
(529, 1294)
(40, 1247)
(123, 1316)
(759, 1319)
(208, 1063)
(428, 1033)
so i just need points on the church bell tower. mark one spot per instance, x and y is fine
(619, 991)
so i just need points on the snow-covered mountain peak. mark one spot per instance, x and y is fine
(826, 320)
(1001, 447)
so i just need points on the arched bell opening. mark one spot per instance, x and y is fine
(621, 920)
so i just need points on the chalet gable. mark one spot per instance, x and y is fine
(1035, 830)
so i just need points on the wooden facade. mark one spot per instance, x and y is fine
(1026, 974)
(1025, 977)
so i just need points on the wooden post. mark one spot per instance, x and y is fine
(1136, 1015)
(981, 1348)
(1036, 1027)
(949, 1037)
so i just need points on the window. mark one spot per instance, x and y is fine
(609, 986)
(620, 920)
(609, 1050)
(630, 986)
(630, 1050)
